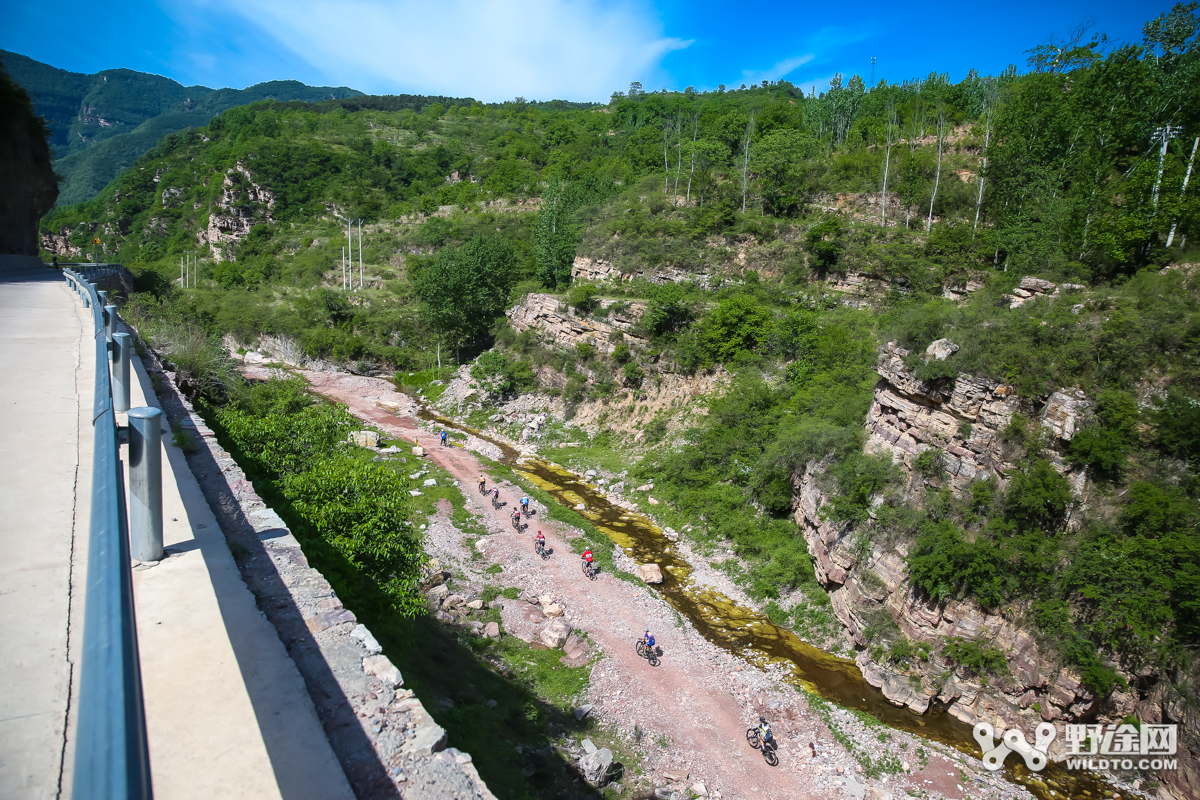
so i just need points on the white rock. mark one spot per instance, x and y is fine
(700, 790)
(430, 482)
(418, 451)
(941, 349)
(381, 667)
(588, 747)
(650, 573)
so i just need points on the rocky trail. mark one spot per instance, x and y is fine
(695, 707)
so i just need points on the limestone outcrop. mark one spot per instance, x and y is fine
(242, 205)
(564, 327)
(588, 269)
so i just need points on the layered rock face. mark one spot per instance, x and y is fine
(588, 269)
(242, 205)
(28, 187)
(562, 327)
(963, 423)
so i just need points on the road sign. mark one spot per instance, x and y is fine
(95, 241)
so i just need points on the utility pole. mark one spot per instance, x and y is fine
(360, 264)
(350, 250)
(343, 269)
(872, 71)
(181, 272)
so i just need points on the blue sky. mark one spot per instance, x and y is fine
(572, 49)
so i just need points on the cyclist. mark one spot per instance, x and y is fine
(541, 542)
(764, 733)
(587, 560)
(525, 506)
(648, 640)
(443, 438)
(516, 518)
(496, 496)
(482, 484)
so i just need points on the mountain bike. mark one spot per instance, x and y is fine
(483, 487)
(590, 570)
(647, 653)
(539, 547)
(768, 748)
(495, 501)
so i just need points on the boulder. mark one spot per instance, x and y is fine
(595, 767)
(582, 711)
(475, 605)
(453, 601)
(941, 349)
(650, 573)
(430, 482)
(588, 747)
(645, 487)
(492, 630)
(436, 595)
(418, 451)
(576, 646)
(381, 667)
(545, 600)
(652, 501)
(365, 438)
(552, 610)
(555, 634)
(671, 534)
(699, 789)
(677, 775)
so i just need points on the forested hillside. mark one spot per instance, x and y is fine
(799, 246)
(100, 124)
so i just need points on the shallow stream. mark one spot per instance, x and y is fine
(752, 636)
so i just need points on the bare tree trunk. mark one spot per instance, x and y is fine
(1162, 154)
(891, 122)
(987, 134)
(1187, 177)
(746, 159)
(678, 163)
(692, 168)
(941, 123)
(666, 164)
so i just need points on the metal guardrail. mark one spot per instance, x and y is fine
(112, 759)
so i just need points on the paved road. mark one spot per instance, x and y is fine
(40, 450)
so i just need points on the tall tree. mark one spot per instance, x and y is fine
(746, 138)
(890, 133)
(988, 90)
(941, 138)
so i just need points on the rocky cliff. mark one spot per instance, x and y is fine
(564, 327)
(963, 422)
(243, 204)
(28, 186)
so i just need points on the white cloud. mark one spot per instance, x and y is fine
(778, 70)
(489, 49)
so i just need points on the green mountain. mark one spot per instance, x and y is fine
(952, 327)
(101, 123)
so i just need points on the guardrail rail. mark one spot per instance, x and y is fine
(112, 759)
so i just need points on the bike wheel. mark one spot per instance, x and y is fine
(770, 757)
(652, 658)
(752, 738)
(639, 648)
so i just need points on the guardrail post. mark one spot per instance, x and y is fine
(145, 484)
(110, 322)
(87, 302)
(120, 372)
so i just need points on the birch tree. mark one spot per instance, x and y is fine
(890, 134)
(989, 100)
(941, 138)
(1187, 177)
(746, 158)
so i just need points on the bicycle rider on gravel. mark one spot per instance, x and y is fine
(587, 559)
(764, 732)
(648, 640)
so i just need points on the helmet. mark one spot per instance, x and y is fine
(763, 720)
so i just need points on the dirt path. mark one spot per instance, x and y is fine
(700, 700)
